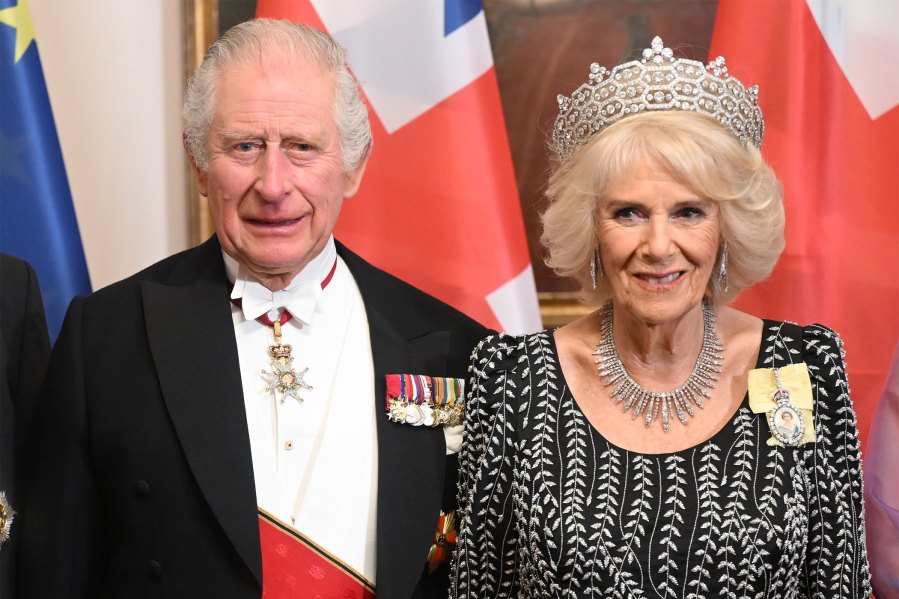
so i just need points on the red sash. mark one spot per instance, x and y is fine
(293, 566)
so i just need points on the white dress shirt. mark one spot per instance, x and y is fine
(315, 463)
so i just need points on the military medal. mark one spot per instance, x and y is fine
(420, 400)
(444, 541)
(785, 420)
(6, 518)
(283, 378)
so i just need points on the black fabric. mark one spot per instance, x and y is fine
(142, 482)
(24, 352)
(550, 508)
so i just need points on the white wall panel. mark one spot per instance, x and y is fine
(114, 74)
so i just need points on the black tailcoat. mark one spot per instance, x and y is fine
(142, 474)
(24, 351)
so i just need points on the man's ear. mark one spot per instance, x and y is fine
(354, 177)
(198, 173)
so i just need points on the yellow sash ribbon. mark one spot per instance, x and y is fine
(795, 379)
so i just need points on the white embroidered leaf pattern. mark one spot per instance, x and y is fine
(549, 508)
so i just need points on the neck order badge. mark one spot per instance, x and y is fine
(284, 378)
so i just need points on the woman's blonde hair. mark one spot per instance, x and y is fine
(698, 153)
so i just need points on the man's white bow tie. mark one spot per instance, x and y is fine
(256, 300)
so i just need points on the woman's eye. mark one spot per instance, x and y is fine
(691, 213)
(628, 213)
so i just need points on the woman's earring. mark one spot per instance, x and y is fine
(722, 269)
(595, 268)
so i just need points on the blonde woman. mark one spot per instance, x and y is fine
(635, 452)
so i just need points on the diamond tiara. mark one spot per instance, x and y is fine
(656, 82)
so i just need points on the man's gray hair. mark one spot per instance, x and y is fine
(253, 40)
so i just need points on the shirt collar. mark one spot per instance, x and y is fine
(300, 296)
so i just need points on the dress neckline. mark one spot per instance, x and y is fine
(725, 430)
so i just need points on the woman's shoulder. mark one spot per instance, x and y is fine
(505, 343)
(818, 347)
(789, 342)
(498, 364)
(816, 328)
(503, 352)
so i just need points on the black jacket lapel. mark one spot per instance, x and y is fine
(191, 338)
(192, 341)
(411, 460)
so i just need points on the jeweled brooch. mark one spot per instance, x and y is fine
(444, 541)
(6, 518)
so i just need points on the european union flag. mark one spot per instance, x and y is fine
(37, 219)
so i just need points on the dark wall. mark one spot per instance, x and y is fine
(232, 12)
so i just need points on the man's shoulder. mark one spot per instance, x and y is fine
(15, 275)
(13, 269)
(379, 287)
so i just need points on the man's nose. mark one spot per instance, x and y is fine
(274, 169)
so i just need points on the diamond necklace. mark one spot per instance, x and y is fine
(638, 398)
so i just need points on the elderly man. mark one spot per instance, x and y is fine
(216, 425)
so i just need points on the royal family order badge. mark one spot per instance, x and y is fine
(785, 396)
(785, 420)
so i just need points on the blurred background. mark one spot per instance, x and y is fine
(115, 74)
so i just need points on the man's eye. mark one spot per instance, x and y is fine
(303, 147)
(246, 146)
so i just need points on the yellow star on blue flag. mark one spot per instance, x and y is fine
(19, 16)
(37, 218)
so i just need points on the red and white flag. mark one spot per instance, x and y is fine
(438, 206)
(828, 73)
